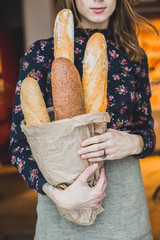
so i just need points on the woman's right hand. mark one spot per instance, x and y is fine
(79, 195)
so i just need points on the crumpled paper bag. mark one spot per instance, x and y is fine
(54, 147)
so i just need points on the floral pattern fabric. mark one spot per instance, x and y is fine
(128, 97)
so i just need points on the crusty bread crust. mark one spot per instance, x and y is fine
(32, 103)
(95, 69)
(64, 35)
(68, 99)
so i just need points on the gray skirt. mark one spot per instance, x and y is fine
(125, 215)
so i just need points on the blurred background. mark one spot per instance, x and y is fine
(21, 23)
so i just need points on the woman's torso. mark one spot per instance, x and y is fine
(122, 76)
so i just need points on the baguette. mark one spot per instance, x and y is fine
(64, 35)
(32, 103)
(68, 99)
(94, 79)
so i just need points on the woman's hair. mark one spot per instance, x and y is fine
(125, 23)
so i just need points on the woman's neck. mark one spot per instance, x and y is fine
(92, 25)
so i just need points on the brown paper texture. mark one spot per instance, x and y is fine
(54, 147)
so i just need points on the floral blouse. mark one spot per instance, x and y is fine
(128, 97)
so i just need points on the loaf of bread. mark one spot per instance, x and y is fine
(32, 102)
(68, 99)
(64, 35)
(95, 69)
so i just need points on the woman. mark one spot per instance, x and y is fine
(130, 135)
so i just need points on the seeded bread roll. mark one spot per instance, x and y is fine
(95, 69)
(64, 35)
(68, 99)
(32, 103)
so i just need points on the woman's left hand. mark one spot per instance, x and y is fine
(114, 144)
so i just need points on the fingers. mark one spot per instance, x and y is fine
(99, 201)
(87, 173)
(98, 205)
(94, 196)
(93, 154)
(109, 156)
(99, 159)
(101, 178)
(97, 150)
(104, 186)
(93, 140)
(98, 139)
(101, 183)
(95, 205)
(92, 148)
(92, 205)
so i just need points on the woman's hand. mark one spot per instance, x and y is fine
(111, 145)
(79, 195)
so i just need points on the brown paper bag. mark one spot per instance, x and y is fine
(54, 147)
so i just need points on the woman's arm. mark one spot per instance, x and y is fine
(143, 120)
(21, 157)
(118, 144)
(114, 143)
(79, 195)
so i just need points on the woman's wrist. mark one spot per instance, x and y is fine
(53, 193)
(137, 144)
(48, 189)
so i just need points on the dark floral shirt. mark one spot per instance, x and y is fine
(128, 98)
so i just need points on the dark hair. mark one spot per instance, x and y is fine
(124, 31)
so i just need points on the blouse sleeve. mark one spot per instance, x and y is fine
(32, 65)
(143, 120)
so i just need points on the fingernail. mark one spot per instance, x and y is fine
(83, 143)
(80, 151)
(83, 157)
